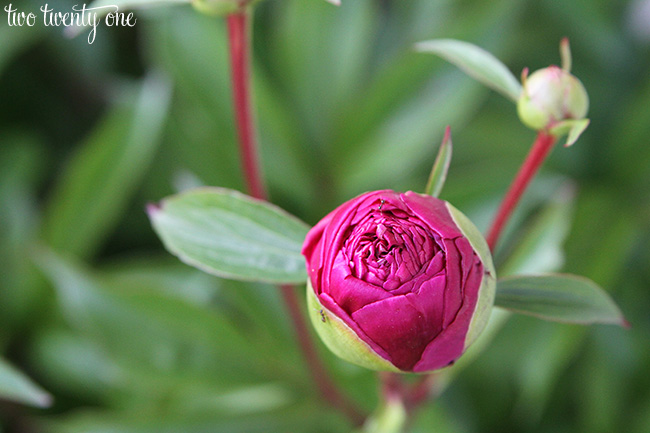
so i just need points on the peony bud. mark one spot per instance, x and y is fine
(552, 95)
(401, 282)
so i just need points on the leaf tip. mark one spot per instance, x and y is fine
(419, 46)
(153, 208)
(44, 401)
(446, 141)
(625, 324)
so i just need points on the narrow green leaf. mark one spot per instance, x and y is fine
(15, 386)
(100, 178)
(229, 234)
(440, 166)
(558, 297)
(477, 63)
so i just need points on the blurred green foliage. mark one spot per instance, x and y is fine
(127, 339)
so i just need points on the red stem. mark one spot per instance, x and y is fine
(538, 153)
(239, 43)
(325, 385)
(238, 37)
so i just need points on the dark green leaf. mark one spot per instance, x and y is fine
(558, 297)
(231, 235)
(171, 335)
(100, 179)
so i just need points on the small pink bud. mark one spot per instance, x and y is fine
(552, 95)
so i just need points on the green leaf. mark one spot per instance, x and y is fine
(15, 386)
(558, 297)
(193, 339)
(477, 63)
(440, 166)
(229, 234)
(101, 177)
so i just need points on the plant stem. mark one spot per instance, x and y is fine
(326, 386)
(238, 37)
(420, 392)
(538, 153)
(239, 44)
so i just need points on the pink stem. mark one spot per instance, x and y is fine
(238, 36)
(538, 153)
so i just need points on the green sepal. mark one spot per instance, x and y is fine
(572, 128)
(487, 291)
(341, 339)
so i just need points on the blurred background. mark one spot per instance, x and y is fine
(125, 338)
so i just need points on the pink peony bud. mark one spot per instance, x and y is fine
(401, 282)
(550, 96)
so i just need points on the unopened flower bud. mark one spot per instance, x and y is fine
(553, 99)
(551, 95)
(401, 282)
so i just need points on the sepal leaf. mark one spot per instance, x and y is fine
(572, 128)
(475, 62)
(559, 298)
(229, 234)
